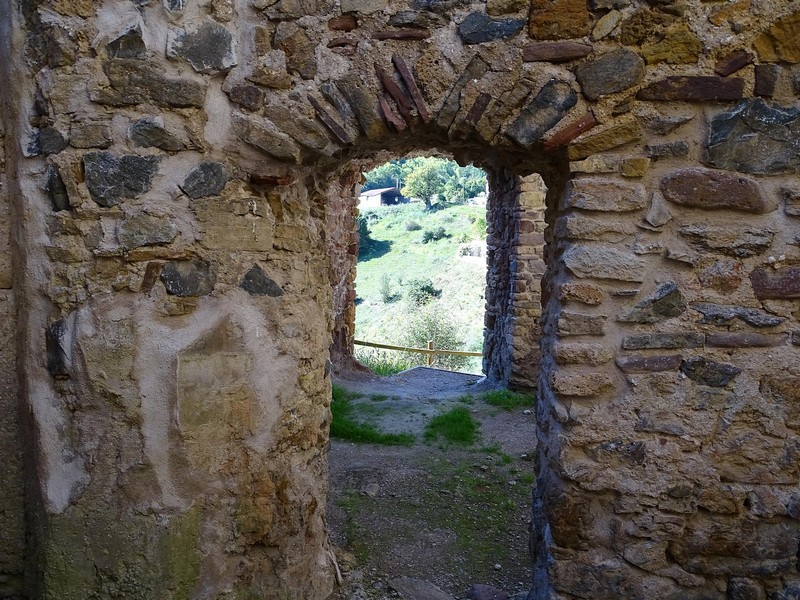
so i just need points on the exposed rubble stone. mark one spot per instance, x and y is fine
(110, 178)
(766, 80)
(649, 364)
(780, 41)
(755, 138)
(142, 229)
(612, 72)
(51, 141)
(365, 7)
(776, 283)
(667, 302)
(543, 113)
(299, 49)
(256, 283)
(56, 190)
(658, 341)
(745, 340)
(149, 132)
(188, 278)
(604, 263)
(709, 372)
(206, 179)
(613, 137)
(208, 48)
(668, 149)
(555, 52)
(716, 314)
(740, 242)
(581, 385)
(703, 188)
(604, 195)
(680, 45)
(571, 323)
(140, 82)
(90, 135)
(732, 62)
(581, 354)
(559, 19)
(248, 97)
(479, 27)
(693, 89)
(128, 45)
(585, 293)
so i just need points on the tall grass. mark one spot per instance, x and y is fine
(508, 400)
(383, 362)
(457, 425)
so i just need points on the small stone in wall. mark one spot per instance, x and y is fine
(791, 201)
(740, 242)
(707, 189)
(612, 72)
(128, 45)
(208, 48)
(581, 354)
(606, 25)
(206, 179)
(745, 339)
(365, 7)
(668, 149)
(663, 340)
(141, 82)
(766, 80)
(644, 25)
(550, 106)
(725, 276)
(679, 46)
(781, 42)
(570, 323)
(555, 52)
(693, 89)
(257, 283)
(110, 178)
(142, 229)
(776, 284)
(497, 8)
(478, 27)
(582, 385)
(585, 293)
(559, 19)
(708, 372)
(665, 124)
(666, 303)
(756, 138)
(658, 214)
(56, 190)
(90, 135)
(716, 314)
(51, 141)
(149, 132)
(649, 364)
(248, 97)
(59, 352)
(619, 134)
(188, 278)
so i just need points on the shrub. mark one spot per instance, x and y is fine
(412, 226)
(433, 235)
(387, 291)
(421, 292)
(432, 324)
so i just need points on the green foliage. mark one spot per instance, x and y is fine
(508, 400)
(421, 292)
(344, 427)
(433, 235)
(457, 426)
(412, 226)
(463, 183)
(426, 181)
(432, 323)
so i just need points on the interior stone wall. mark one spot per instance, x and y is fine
(172, 169)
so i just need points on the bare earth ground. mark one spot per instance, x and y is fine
(449, 515)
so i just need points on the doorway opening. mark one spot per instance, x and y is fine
(421, 271)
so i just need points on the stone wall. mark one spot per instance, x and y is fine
(173, 169)
(12, 522)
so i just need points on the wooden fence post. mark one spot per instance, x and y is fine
(430, 354)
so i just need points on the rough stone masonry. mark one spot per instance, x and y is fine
(177, 246)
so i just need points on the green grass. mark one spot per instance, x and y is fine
(508, 400)
(344, 427)
(457, 426)
(381, 362)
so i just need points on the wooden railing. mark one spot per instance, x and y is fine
(430, 350)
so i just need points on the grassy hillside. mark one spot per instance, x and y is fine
(396, 256)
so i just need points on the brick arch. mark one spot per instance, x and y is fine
(163, 200)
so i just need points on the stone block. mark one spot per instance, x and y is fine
(766, 80)
(617, 135)
(610, 73)
(90, 135)
(649, 364)
(776, 284)
(581, 354)
(604, 195)
(585, 293)
(56, 190)
(663, 340)
(364, 105)
(206, 179)
(129, 45)
(256, 283)
(745, 340)
(140, 82)
(635, 167)
(732, 62)
(680, 45)
(581, 385)
(299, 48)
(644, 25)
(668, 149)
(139, 228)
(604, 263)
(740, 242)
(707, 189)
(149, 132)
(571, 324)
(111, 178)
(559, 19)
(275, 143)
(365, 7)
(606, 24)
(208, 48)
(578, 227)
(755, 138)
(693, 89)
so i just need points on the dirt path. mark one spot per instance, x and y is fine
(450, 515)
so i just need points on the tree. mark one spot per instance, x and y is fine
(426, 180)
